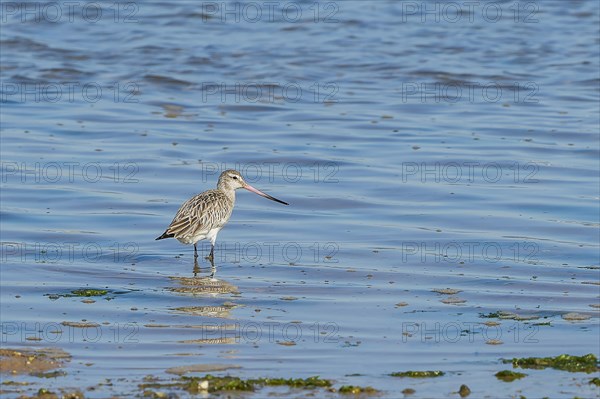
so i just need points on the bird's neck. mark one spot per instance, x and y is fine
(227, 190)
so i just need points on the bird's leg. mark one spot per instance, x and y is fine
(195, 251)
(213, 270)
(196, 267)
(211, 256)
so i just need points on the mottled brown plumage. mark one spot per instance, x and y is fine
(204, 215)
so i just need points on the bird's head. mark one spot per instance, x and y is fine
(232, 180)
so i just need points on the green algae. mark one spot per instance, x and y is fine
(356, 390)
(418, 374)
(230, 383)
(82, 292)
(44, 393)
(89, 292)
(215, 384)
(492, 315)
(595, 381)
(154, 395)
(17, 383)
(509, 376)
(51, 374)
(587, 363)
(307, 383)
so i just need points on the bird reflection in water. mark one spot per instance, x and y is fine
(213, 269)
(202, 282)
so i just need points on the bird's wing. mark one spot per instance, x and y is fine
(202, 212)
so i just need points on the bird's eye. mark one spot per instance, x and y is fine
(234, 177)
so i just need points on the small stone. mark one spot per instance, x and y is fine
(286, 343)
(491, 323)
(446, 291)
(464, 391)
(452, 300)
(575, 316)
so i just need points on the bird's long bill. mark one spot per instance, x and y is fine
(250, 188)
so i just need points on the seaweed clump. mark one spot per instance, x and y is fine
(356, 390)
(418, 374)
(586, 363)
(509, 376)
(211, 383)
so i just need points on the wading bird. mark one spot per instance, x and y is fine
(204, 215)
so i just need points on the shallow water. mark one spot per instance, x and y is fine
(416, 153)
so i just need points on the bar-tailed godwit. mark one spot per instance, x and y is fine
(202, 216)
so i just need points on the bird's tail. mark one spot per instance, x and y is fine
(165, 235)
